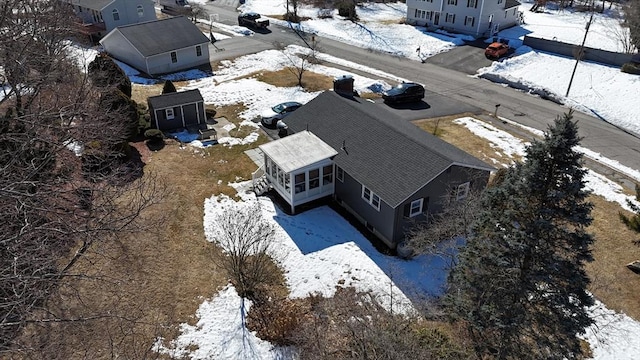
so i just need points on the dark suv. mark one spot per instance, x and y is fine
(405, 92)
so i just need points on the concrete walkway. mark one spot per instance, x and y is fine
(256, 156)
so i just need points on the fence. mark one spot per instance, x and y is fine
(590, 54)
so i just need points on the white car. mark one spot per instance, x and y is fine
(271, 117)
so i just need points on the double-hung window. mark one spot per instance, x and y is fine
(140, 10)
(415, 208)
(370, 197)
(451, 18)
(169, 113)
(469, 21)
(116, 15)
(174, 57)
(198, 50)
(462, 191)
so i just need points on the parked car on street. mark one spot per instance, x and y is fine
(496, 50)
(252, 20)
(272, 116)
(405, 92)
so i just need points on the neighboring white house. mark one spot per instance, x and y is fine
(474, 17)
(159, 46)
(99, 17)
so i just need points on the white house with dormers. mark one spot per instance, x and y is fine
(99, 17)
(480, 18)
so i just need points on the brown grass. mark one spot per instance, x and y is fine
(463, 138)
(140, 93)
(612, 282)
(164, 275)
(286, 78)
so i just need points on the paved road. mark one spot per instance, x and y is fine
(459, 88)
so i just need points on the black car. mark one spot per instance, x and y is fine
(405, 92)
(252, 20)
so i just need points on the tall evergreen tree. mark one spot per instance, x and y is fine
(520, 284)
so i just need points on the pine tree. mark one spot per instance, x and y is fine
(520, 284)
(168, 87)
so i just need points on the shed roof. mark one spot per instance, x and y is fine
(161, 36)
(174, 99)
(391, 156)
(297, 151)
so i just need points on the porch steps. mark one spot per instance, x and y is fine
(261, 185)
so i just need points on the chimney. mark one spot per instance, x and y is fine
(343, 85)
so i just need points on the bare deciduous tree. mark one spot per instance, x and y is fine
(437, 235)
(300, 61)
(247, 240)
(54, 208)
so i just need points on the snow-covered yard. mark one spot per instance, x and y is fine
(319, 249)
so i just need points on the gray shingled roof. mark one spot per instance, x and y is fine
(391, 156)
(162, 36)
(92, 4)
(511, 4)
(174, 99)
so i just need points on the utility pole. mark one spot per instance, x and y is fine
(580, 52)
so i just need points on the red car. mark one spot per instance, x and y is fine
(496, 50)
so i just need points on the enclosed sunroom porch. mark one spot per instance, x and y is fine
(299, 168)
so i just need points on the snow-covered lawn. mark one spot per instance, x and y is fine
(319, 249)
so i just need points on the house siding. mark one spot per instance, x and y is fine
(193, 114)
(187, 59)
(128, 13)
(380, 222)
(487, 13)
(435, 191)
(168, 124)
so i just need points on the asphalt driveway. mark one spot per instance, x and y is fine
(466, 59)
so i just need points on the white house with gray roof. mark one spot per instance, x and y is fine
(385, 171)
(480, 18)
(99, 17)
(160, 46)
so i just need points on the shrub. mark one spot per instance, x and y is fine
(348, 10)
(104, 73)
(277, 320)
(325, 13)
(291, 17)
(630, 68)
(154, 135)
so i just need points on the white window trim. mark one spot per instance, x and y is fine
(416, 213)
(339, 173)
(169, 114)
(140, 10)
(462, 191)
(372, 195)
(115, 14)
